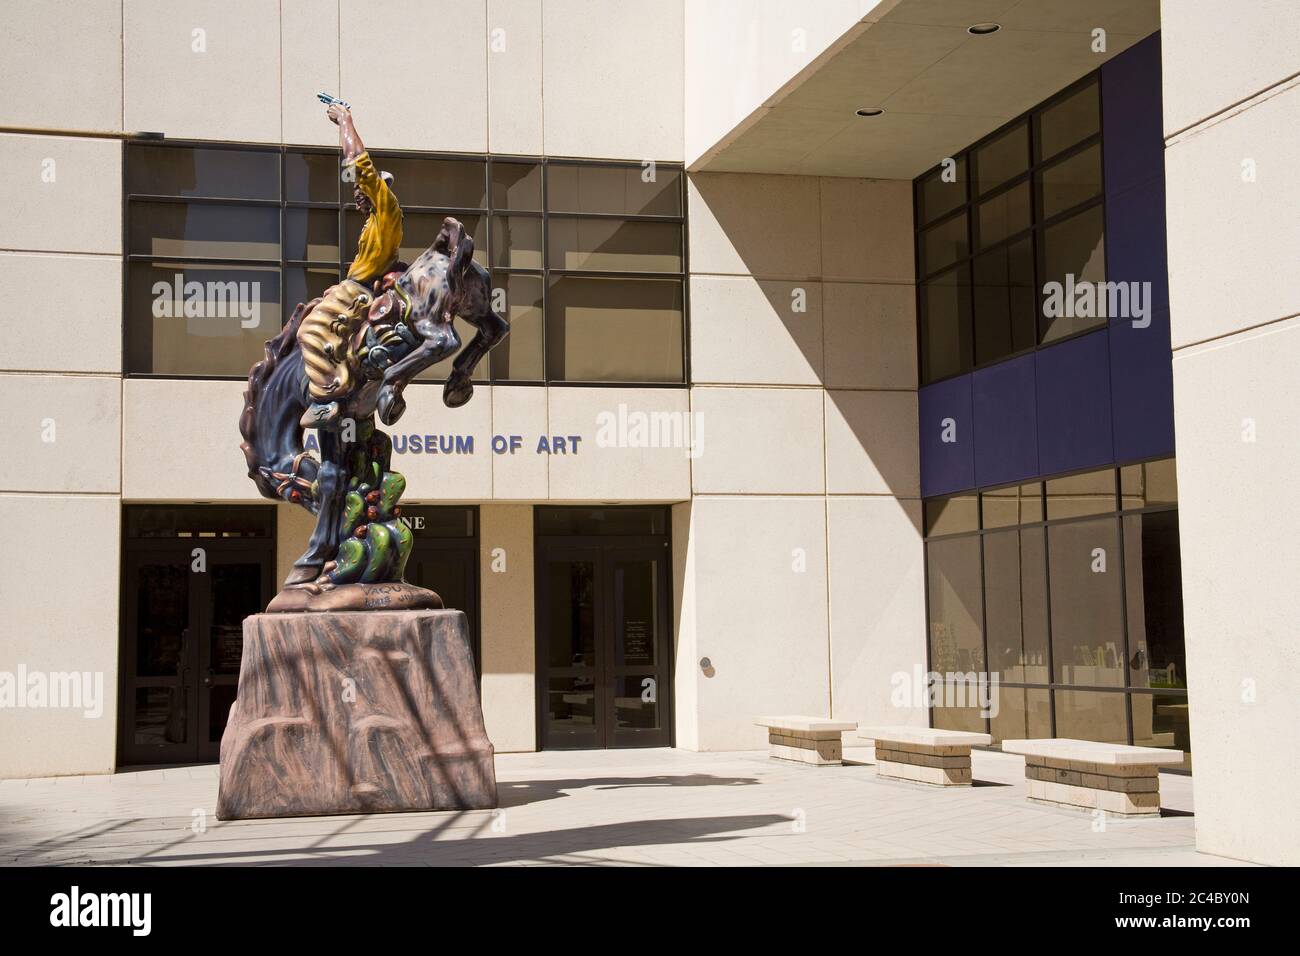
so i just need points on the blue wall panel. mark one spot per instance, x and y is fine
(1132, 123)
(947, 466)
(1101, 398)
(1073, 389)
(1141, 372)
(1006, 430)
(1135, 239)
(1142, 389)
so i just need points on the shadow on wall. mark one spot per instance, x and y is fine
(801, 281)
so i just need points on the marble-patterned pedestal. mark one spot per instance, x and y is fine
(355, 712)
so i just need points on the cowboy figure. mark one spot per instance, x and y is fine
(327, 334)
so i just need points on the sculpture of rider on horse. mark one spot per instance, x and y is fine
(340, 360)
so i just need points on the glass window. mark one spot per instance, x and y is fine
(614, 245)
(956, 606)
(1015, 602)
(952, 515)
(419, 230)
(1149, 485)
(519, 357)
(200, 319)
(1092, 715)
(517, 242)
(212, 173)
(1074, 262)
(1069, 121)
(1022, 714)
(955, 716)
(440, 183)
(206, 230)
(1003, 300)
(614, 190)
(1074, 496)
(517, 186)
(943, 244)
(1003, 215)
(1017, 504)
(210, 216)
(1087, 594)
(312, 177)
(1011, 260)
(1069, 182)
(946, 342)
(1161, 720)
(1002, 158)
(614, 330)
(304, 283)
(601, 521)
(1154, 594)
(311, 235)
(938, 195)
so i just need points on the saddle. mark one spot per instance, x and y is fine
(352, 333)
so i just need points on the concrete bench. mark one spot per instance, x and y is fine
(810, 740)
(924, 754)
(1115, 778)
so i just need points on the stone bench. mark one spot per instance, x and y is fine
(924, 754)
(1115, 778)
(810, 740)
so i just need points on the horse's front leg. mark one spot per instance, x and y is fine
(437, 341)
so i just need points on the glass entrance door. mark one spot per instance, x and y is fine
(573, 698)
(235, 586)
(158, 709)
(603, 645)
(184, 599)
(636, 670)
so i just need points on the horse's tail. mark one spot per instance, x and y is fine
(269, 423)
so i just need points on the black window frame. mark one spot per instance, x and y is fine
(487, 213)
(1037, 223)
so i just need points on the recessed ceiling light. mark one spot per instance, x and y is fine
(983, 29)
(870, 111)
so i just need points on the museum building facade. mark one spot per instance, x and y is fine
(841, 376)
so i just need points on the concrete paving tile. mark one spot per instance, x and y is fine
(624, 808)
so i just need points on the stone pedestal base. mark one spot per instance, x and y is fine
(811, 740)
(924, 754)
(1127, 790)
(821, 750)
(355, 712)
(940, 766)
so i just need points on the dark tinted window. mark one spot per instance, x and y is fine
(1013, 260)
(1070, 120)
(1087, 602)
(202, 172)
(956, 606)
(1091, 598)
(946, 335)
(587, 260)
(614, 190)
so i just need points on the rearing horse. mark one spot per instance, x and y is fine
(351, 490)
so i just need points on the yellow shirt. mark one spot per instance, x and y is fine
(381, 236)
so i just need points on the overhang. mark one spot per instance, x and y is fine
(941, 87)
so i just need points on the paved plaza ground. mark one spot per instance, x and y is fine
(629, 807)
